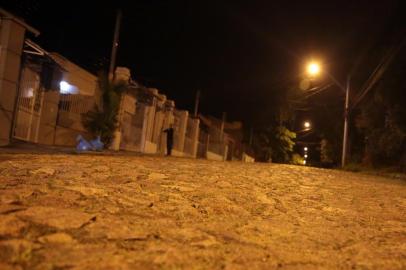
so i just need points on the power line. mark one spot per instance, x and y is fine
(378, 72)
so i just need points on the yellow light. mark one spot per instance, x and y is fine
(307, 124)
(313, 68)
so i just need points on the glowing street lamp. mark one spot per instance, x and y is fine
(314, 69)
(305, 148)
(306, 127)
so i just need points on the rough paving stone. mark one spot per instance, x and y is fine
(87, 191)
(156, 176)
(196, 214)
(57, 238)
(17, 251)
(9, 208)
(11, 225)
(44, 171)
(14, 196)
(54, 217)
(113, 228)
(5, 266)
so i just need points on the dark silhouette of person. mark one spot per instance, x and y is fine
(169, 140)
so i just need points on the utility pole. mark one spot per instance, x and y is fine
(115, 45)
(251, 136)
(223, 120)
(197, 103)
(346, 112)
(117, 133)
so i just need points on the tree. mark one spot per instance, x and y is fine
(381, 120)
(274, 144)
(103, 120)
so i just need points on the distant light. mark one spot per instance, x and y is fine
(307, 124)
(305, 155)
(66, 88)
(304, 162)
(305, 148)
(29, 93)
(313, 68)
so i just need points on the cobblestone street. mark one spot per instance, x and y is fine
(60, 211)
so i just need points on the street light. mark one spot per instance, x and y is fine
(305, 148)
(314, 69)
(306, 127)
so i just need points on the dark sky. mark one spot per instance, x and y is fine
(240, 54)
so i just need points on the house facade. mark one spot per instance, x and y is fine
(44, 96)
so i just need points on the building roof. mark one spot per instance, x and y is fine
(8, 15)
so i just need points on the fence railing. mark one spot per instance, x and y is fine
(77, 104)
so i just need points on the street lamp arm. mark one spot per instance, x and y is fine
(336, 82)
(301, 131)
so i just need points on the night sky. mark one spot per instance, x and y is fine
(239, 54)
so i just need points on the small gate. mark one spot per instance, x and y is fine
(29, 105)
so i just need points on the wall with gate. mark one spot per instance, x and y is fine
(12, 33)
(69, 120)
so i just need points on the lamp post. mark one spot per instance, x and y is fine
(313, 69)
(345, 135)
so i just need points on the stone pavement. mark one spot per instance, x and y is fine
(60, 211)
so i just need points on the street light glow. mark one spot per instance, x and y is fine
(305, 148)
(67, 88)
(307, 124)
(64, 87)
(313, 68)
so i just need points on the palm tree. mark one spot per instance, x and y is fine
(103, 120)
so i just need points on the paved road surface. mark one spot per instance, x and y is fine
(132, 212)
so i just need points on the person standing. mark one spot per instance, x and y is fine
(169, 140)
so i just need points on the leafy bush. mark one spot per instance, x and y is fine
(103, 120)
(274, 144)
(297, 159)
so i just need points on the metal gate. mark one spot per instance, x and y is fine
(29, 105)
